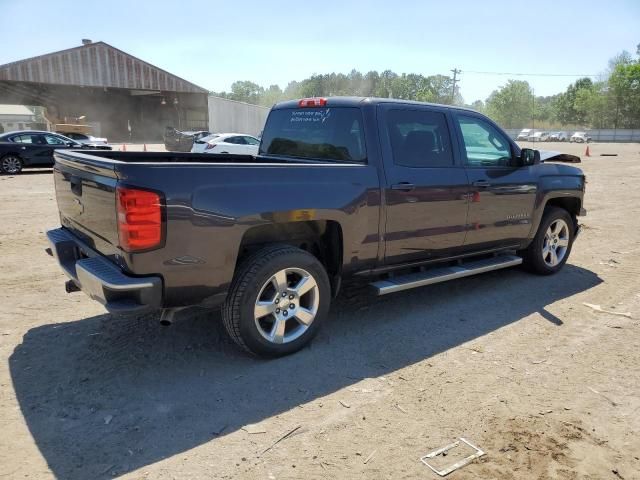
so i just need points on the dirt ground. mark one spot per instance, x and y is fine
(548, 387)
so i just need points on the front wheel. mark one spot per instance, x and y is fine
(550, 248)
(11, 164)
(277, 302)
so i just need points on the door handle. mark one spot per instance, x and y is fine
(481, 184)
(403, 186)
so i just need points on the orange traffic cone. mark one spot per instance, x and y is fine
(586, 153)
(145, 148)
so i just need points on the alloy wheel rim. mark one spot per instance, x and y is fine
(11, 164)
(556, 243)
(287, 305)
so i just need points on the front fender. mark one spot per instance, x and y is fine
(553, 187)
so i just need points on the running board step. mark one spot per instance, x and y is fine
(442, 274)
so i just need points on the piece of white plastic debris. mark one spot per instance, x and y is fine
(253, 429)
(598, 308)
(444, 450)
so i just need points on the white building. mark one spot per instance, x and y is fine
(15, 117)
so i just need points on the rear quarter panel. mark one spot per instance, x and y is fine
(210, 208)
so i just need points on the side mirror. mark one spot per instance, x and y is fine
(71, 144)
(529, 156)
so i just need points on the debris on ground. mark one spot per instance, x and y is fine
(603, 396)
(366, 460)
(253, 429)
(286, 435)
(444, 451)
(599, 309)
(400, 408)
(610, 263)
(344, 404)
(107, 419)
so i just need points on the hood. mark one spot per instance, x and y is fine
(548, 156)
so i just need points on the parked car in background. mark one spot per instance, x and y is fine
(580, 137)
(85, 139)
(524, 134)
(539, 137)
(178, 141)
(33, 148)
(234, 143)
(558, 137)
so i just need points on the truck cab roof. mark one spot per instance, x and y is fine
(361, 101)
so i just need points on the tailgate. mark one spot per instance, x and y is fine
(86, 195)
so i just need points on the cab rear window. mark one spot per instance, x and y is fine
(326, 133)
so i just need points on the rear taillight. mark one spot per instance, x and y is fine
(139, 219)
(312, 102)
(209, 146)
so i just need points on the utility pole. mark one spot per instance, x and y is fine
(455, 80)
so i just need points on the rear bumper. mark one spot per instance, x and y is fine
(101, 279)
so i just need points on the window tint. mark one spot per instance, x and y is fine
(331, 133)
(22, 139)
(251, 141)
(419, 138)
(235, 140)
(29, 138)
(53, 140)
(485, 146)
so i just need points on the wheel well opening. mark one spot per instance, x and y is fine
(570, 204)
(321, 238)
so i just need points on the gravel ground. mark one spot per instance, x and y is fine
(517, 364)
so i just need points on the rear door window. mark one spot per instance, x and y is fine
(419, 138)
(327, 133)
(22, 139)
(35, 139)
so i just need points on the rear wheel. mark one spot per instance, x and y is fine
(277, 302)
(11, 164)
(550, 248)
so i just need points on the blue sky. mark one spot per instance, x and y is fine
(214, 43)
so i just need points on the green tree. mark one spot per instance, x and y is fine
(624, 84)
(243, 91)
(512, 104)
(478, 106)
(271, 96)
(565, 105)
(595, 105)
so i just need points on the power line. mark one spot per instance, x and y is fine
(534, 74)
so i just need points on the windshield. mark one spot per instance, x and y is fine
(316, 133)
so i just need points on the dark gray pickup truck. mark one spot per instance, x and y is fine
(403, 194)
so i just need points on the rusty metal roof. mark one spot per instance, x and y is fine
(95, 65)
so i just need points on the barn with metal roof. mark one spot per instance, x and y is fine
(118, 95)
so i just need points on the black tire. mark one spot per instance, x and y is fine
(249, 280)
(533, 259)
(11, 164)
